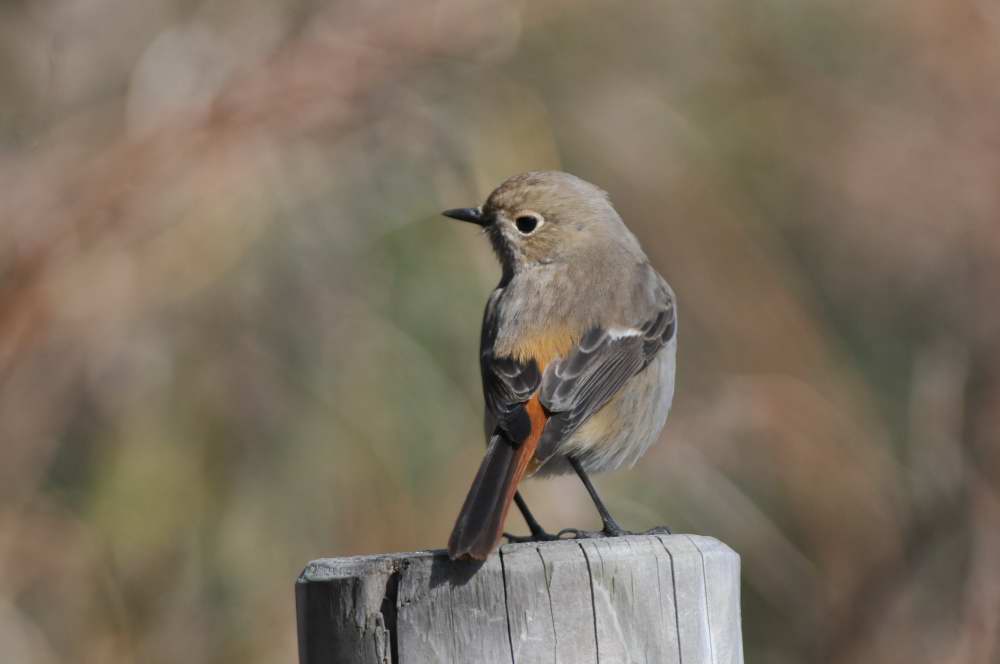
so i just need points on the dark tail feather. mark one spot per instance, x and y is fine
(480, 523)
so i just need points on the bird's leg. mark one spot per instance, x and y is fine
(611, 527)
(529, 518)
(538, 534)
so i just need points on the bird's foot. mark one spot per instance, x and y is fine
(576, 533)
(541, 536)
(609, 530)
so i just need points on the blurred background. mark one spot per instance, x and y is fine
(236, 336)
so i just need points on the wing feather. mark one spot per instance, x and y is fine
(507, 383)
(579, 385)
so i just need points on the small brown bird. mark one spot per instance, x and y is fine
(578, 349)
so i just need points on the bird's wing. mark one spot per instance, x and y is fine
(580, 384)
(516, 421)
(508, 383)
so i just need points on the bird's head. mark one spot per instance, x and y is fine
(544, 217)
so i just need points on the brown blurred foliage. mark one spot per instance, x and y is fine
(235, 336)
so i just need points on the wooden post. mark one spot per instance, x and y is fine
(630, 599)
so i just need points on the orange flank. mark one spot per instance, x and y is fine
(543, 348)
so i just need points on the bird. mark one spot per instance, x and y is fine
(577, 351)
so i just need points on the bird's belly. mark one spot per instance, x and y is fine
(621, 432)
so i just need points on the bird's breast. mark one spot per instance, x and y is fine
(533, 322)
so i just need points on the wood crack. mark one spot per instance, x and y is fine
(677, 616)
(552, 615)
(593, 603)
(708, 614)
(390, 613)
(506, 605)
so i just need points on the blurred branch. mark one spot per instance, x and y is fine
(322, 79)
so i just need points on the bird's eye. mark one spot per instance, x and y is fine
(527, 224)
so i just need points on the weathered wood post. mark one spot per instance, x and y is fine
(672, 598)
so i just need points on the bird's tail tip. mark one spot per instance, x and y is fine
(479, 527)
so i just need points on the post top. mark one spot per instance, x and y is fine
(325, 569)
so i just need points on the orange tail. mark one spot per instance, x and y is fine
(479, 526)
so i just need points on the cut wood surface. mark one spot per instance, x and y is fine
(655, 598)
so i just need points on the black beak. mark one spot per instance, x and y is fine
(471, 215)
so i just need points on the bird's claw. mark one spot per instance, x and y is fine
(576, 533)
(536, 537)
(608, 531)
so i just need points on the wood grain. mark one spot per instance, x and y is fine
(668, 599)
